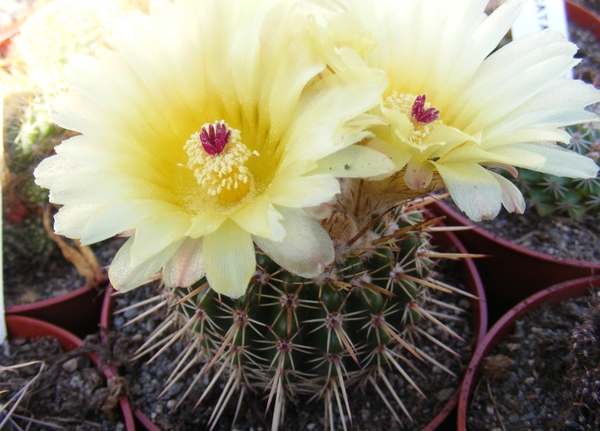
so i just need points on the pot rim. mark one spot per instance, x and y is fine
(551, 295)
(453, 214)
(31, 328)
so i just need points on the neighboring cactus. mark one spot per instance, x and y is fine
(549, 194)
(26, 142)
(354, 325)
(585, 374)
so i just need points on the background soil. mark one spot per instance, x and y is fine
(525, 382)
(67, 391)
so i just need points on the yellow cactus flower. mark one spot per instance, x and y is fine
(454, 108)
(206, 131)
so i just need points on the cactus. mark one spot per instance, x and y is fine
(289, 336)
(585, 373)
(550, 194)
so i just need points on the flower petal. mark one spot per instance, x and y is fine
(70, 220)
(397, 153)
(186, 266)
(115, 218)
(229, 259)
(417, 175)
(303, 191)
(560, 161)
(205, 223)
(355, 162)
(512, 199)
(125, 276)
(260, 218)
(473, 188)
(306, 249)
(157, 232)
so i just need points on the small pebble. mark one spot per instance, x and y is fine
(70, 366)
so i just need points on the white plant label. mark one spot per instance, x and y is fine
(539, 15)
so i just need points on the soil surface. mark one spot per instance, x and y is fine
(524, 381)
(25, 284)
(561, 237)
(369, 411)
(64, 391)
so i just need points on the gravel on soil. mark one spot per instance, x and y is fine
(523, 384)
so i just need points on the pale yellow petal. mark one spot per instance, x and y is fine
(119, 217)
(186, 266)
(260, 218)
(229, 259)
(124, 275)
(473, 188)
(205, 223)
(306, 249)
(355, 162)
(306, 191)
(156, 233)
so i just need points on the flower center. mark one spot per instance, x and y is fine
(218, 159)
(423, 116)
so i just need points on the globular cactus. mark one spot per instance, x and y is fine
(550, 194)
(287, 336)
(585, 373)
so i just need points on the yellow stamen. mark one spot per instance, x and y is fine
(223, 174)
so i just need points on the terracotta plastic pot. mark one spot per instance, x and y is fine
(583, 17)
(27, 327)
(471, 281)
(511, 272)
(77, 311)
(552, 296)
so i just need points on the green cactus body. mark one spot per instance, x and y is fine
(291, 336)
(575, 198)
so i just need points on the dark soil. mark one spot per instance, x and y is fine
(369, 412)
(64, 390)
(25, 283)
(524, 382)
(558, 236)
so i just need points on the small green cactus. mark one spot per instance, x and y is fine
(354, 325)
(585, 373)
(549, 194)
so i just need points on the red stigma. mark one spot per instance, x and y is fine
(214, 142)
(421, 115)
